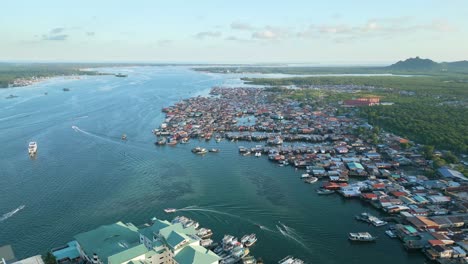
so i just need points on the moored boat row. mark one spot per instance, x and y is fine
(290, 260)
(368, 218)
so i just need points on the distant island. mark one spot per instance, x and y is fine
(415, 65)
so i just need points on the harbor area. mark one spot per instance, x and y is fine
(340, 154)
(180, 240)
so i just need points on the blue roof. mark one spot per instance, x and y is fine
(448, 173)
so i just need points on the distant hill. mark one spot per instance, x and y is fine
(422, 65)
(416, 64)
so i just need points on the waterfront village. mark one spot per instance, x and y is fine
(336, 152)
(346, 154)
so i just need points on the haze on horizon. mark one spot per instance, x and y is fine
(297, 31)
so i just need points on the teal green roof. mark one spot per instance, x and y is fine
(146, 232)
(174, 238)
(411, 229)
(108, 240)
(128, 254)
(157, 243)
(179, 229)
(136, 262)
(196, 255)
(68, 252)
(419, 198)
(355, 165)
(154, 228)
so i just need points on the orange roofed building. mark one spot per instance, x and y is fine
(364, 101)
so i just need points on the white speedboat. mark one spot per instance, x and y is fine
(32, 148)
(170, 210)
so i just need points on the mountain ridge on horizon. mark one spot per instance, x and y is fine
(419, 64)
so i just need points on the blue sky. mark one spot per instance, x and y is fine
(326, 32)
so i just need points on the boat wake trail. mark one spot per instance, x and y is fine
(10, 214)
(292, 234)
(79, 117)
(110, 140)
(210, 211)
(194, 208)
(20, 115)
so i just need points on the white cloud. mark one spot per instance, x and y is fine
(55, 34)
(241, 26)
(206, 34)
(271, 33)
(442, 26)
(164, 42)
(265, 34)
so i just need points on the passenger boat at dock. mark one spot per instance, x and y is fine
(311, 180)
(161, 141)
(185, 221)
(249, 240)
(249, 260)
(206, 243)
(199, 150)
(361, 237)
(170, 210)
(368, 218)
(290, 260)
(32, 148)
(204, 233)
(390, 233)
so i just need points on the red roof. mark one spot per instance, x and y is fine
(378, 185)
(436, 242)
(398, 194)
(369, 195)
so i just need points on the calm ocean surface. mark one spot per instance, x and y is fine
(86, 177)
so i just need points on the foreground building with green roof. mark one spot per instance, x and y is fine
(159, 243)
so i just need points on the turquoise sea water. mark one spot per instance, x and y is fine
(87, 176)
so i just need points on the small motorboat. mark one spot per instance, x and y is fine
(124, 137)
(170, 210)
(323, 191)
